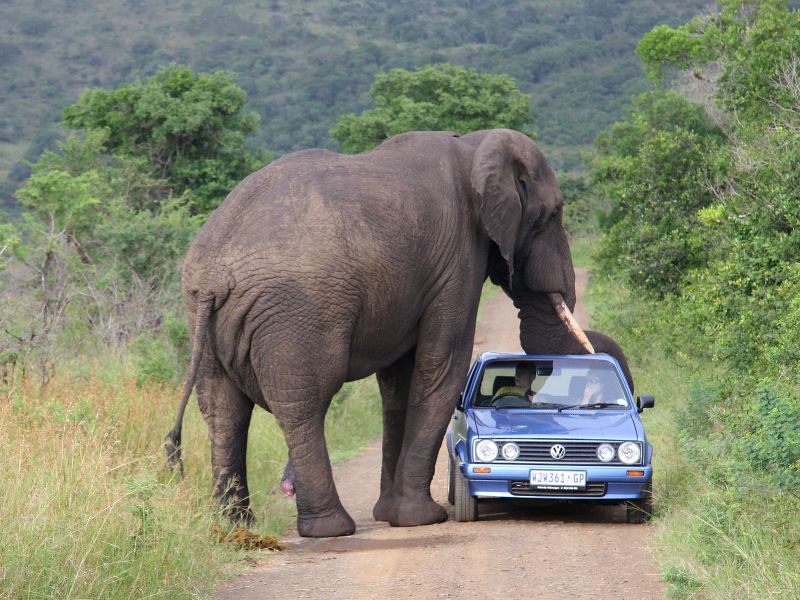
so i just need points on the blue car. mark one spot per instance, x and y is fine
(549, 427)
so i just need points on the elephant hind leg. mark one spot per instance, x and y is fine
(394, 383)
(299, 396)
(227, 412)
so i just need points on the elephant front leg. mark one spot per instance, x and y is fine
(227, 412)
(437, 379)
(394, 383)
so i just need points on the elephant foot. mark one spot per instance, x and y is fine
(410, 512)
(332, 525)
(382, 507)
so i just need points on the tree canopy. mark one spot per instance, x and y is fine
(112, 211)
(433, 98)
(189, 128)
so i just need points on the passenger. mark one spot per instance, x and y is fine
(593, 391)
(524, 375)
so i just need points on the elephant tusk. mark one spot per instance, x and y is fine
(563, 312)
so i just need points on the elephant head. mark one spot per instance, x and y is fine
(521, 212)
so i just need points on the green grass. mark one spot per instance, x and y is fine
(717, 538)
(90, 510)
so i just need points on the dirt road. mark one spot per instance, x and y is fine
(513, 551)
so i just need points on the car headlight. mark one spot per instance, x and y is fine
(605, 452)
(510, 451)
(486, 451)
(629, 453)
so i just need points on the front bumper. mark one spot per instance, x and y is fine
(602, 482)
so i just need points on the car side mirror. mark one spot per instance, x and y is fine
(643, 402)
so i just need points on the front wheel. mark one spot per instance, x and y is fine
(639, 511)
(451, 480)
(466, 506)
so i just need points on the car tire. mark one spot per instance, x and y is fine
(466, 506)
(639, 511)
(451, 480)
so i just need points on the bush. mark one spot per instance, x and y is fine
(151, 361)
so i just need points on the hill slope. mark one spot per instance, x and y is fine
(304, 63)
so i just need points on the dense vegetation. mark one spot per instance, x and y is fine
(703, 229)
(302, 64)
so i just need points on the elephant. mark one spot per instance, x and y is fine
(322, 268)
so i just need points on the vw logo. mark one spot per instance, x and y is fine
(558, 451)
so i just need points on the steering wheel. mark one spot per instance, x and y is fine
(511, 400)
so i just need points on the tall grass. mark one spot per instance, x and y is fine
(719, 537)
(90, 511)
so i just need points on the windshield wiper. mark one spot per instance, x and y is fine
(532, 405)
(593, 405)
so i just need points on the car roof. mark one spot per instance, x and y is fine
(492, 356)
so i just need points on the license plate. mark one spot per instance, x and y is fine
(558, 480)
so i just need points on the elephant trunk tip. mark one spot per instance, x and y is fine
(172, 446)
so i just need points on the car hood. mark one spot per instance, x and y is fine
(594, 425)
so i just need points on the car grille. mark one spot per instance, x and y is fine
(523, 488)
(577, 453)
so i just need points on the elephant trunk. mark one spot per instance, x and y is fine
(547, 325)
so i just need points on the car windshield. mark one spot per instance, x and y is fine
(550, 384)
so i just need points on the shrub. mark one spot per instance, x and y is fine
(151, 361)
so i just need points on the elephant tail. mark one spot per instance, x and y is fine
(172, 441)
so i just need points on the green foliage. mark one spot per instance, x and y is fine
(582, 206)
(771, 443)
(725, 457)
(9, 242)
(664, 45)
(190, 128)
(116, 216)
(434, 98)
(755, 41)
(654, 170)
(729, 311)
(151, 362)
(303, 64)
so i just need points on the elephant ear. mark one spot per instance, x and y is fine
(495, 168)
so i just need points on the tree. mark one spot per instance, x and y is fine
(753, 41)
(434, 97)
(654, 170)
(189, 128)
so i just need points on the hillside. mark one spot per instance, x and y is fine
(302, 64)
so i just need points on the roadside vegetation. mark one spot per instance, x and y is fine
(697, 276)
(89, 509)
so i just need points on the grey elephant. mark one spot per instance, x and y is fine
(323, 268)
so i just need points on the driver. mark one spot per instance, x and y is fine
(524, 375)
